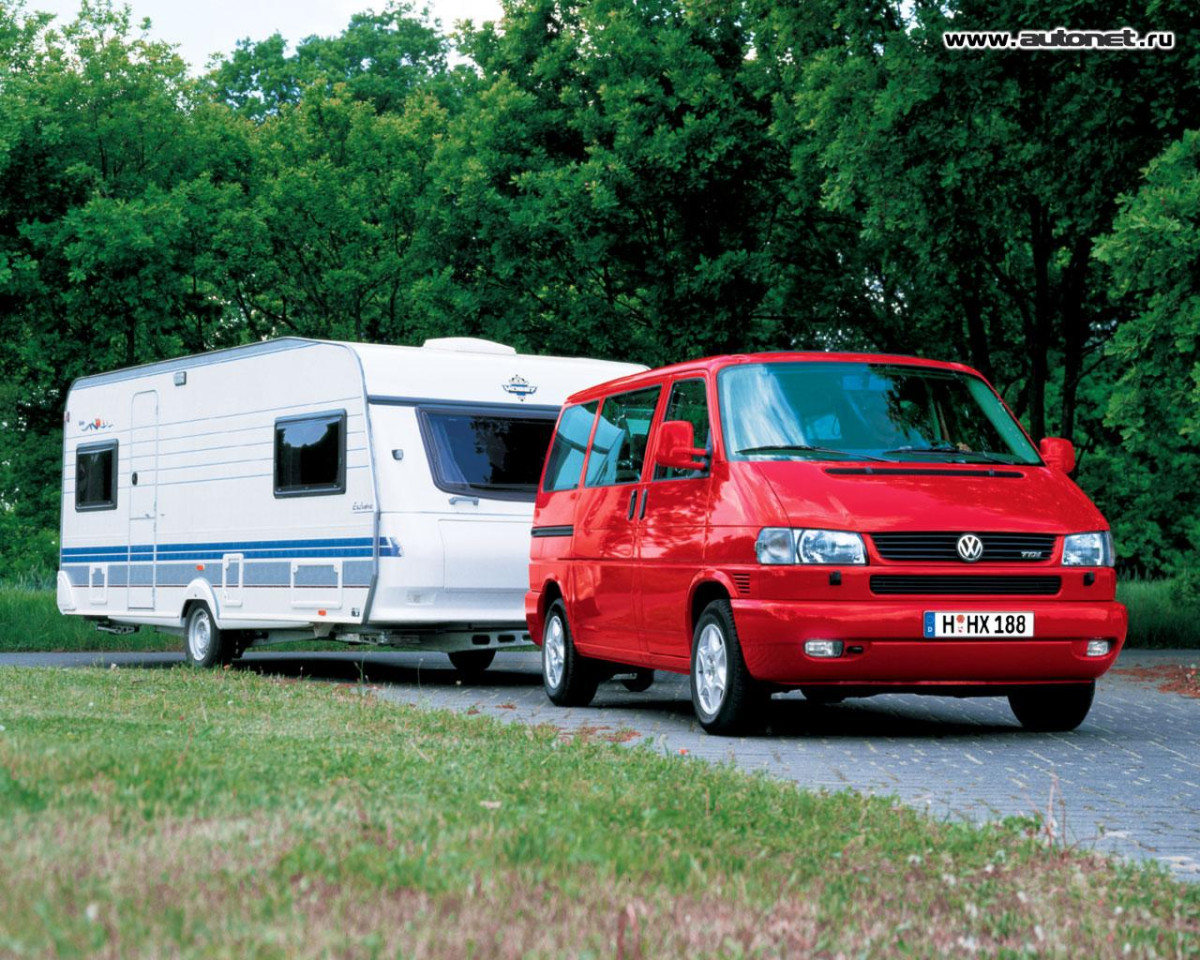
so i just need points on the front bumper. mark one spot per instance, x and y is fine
(772, 635)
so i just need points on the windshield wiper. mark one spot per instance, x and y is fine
(951, 449)
(808, 448)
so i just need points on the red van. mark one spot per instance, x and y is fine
(847, 524)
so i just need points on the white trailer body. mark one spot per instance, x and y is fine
(310, 488)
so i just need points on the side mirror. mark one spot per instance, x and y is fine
(677, 447)
(1058, 453)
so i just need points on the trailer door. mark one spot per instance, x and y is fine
(143, 500)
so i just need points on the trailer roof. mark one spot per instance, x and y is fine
(398, 372)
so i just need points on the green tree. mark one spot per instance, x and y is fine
(1154, 253)
(380, 58)
(982, 180)
(112, 169)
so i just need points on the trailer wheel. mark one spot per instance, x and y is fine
(472, 663)
(569, 677)
(1055, 708)
(204, 642)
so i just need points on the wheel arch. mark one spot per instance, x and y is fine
(709, 586)
(200, 591)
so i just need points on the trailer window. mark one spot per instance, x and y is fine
(488, 453)
(310, 455)
(96, 476)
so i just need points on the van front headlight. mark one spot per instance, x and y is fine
(1088, 550)
(776, 545)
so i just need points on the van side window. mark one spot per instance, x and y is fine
(687, 402)
(619, 445)
(565, 463)
(96, 476)
(310, 455)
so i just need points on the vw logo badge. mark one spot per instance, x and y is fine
(970, 547)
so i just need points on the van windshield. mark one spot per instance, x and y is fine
(865, 411)
(487, 453)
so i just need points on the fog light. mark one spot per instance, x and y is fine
(824, 648)
(1098, 648)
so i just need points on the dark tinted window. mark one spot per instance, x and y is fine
(619, 444)
(493, 454)
(570, 444)
(96, 476)
(687, 402)
(310, 455)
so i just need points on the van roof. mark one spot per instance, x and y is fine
(707, 364)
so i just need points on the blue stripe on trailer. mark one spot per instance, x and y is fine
(333, 548)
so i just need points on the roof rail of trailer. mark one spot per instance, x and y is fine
(277, 345)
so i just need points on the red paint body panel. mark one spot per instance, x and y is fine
(629, 582)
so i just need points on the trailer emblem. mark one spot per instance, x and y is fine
(96, 424)
(970, 547)
(519, 387)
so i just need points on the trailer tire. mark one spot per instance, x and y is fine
(472, 663)
(204, 643)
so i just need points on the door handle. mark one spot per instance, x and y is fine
(645, 497)
(474, 501)
(632, 504)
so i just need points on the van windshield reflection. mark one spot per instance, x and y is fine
(866, 411)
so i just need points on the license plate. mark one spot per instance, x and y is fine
(980, 624)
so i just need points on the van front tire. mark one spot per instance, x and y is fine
(569, 677)
(727, 700)
(204, 643)
(1053, 708)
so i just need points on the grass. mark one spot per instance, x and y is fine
(177, 813)
(1157, 618)
(30, 621)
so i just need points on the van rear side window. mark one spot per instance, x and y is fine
(619, 445)
(565, 463)
(96, 476)
(310, 455)
(489, 452)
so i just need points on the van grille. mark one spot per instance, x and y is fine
(955, 585)
(997, 547)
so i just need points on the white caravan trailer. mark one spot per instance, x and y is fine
(308, 489)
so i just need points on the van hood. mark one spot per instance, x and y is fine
(928, 497)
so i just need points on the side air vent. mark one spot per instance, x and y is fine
(742, 582)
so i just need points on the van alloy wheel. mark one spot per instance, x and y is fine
(712, 668)
(569, 677)
(726, 698)
(553, 651)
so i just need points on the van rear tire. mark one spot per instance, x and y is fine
(727, 700)
(569, 677)
(472, 663)
(1054, 708)
(205, 645)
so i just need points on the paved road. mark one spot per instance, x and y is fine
(1127, 782)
